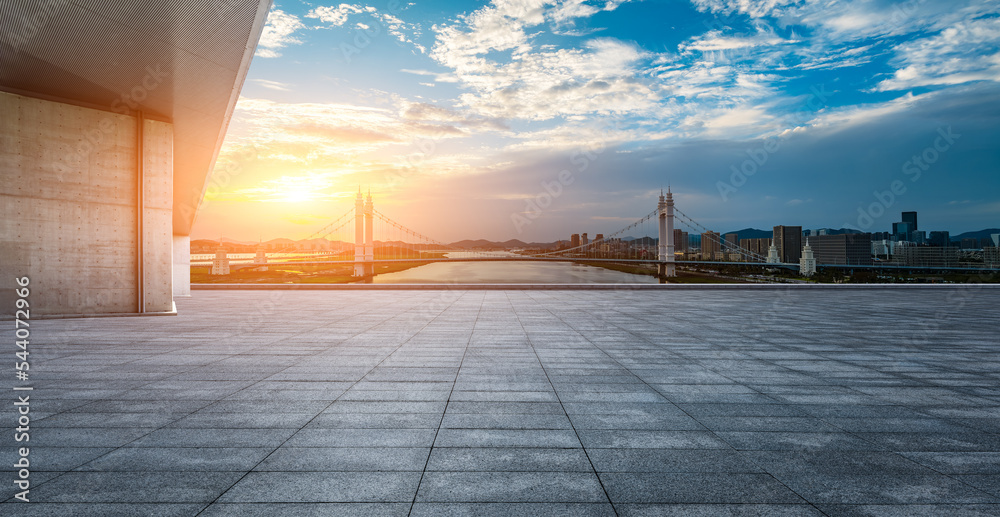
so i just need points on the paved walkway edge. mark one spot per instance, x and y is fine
(564, 287)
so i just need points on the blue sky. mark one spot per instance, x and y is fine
(757, 113)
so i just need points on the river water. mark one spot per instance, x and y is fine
(479, 272)
(510, 273)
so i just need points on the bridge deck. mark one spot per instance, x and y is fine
(735, 402)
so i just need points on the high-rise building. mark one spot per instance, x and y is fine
(906, 229)
(680, 240)
(850, 249)
(788, 240)
(991, 256)
(574, 240)
(584, 240)
(757, 247)
(912, 255)
(939, 239)
(902, 231)
(732, 241)
(882, 248)
(710, 248)
(599, 237)
(260, 258)
(220, 264)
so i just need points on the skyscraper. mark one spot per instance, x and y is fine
(680, 240)
(941, 239)
(788, 240)
(903, 231)
(911, 218)
(853, 249)
(710, 245)
(574, 240)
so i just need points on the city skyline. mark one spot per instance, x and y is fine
(459, 119)
(888, 229)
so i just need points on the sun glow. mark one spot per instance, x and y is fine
(294, 196)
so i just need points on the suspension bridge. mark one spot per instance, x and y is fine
(365, 237)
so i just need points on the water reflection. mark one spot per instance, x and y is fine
(510, 273)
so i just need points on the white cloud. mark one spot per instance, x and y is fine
(968, 51)
(273, 85)
(751, 8)
(714, 41)
(278, 33)
(337, 16)
(334, 15)
(539, 83)
(439, 77)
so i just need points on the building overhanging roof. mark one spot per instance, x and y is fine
(180, 61)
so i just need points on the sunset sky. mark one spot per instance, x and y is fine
(455, 115)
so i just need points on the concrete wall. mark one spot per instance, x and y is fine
(182, 265)
(158, 203)
(68, 195)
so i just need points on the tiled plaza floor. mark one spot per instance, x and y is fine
(735, 402)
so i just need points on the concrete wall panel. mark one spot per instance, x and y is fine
(182, 265)
(158, 216)
(68, 194)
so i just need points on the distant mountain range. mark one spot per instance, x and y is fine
(510, 244)
(981, 234)
(752, 233)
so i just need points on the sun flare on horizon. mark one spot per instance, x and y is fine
(462, 121)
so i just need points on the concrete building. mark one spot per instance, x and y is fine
(220, 264)
(732, 241)
(991, 256)
(902, 231)
(909, 254)
(788, 240)
(939, 238)
(850, 249)
(807, 264)
(773, 257)
(758, 247)
(710, 246)
(584, 240)
(111, 117)
(680, 240)
(260, 258)
(883, 248)
(574, 240)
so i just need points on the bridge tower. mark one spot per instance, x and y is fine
(359, 235)
(665, 207)
(369, 231)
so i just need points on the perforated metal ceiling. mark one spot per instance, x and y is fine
(179, 60)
